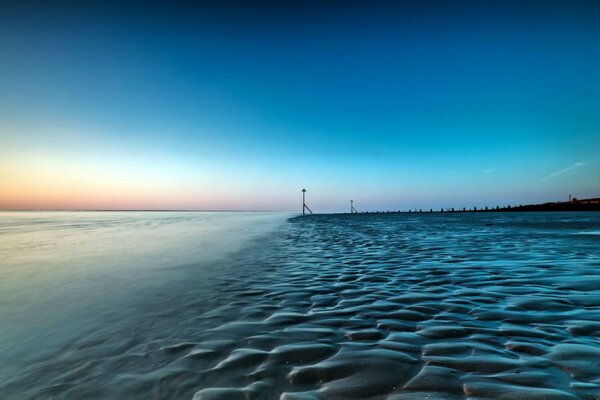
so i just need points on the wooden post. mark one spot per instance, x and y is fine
(304, 206)
(303, 201)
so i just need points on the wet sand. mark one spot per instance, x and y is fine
(494, 306)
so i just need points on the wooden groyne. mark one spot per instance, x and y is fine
(573, 205)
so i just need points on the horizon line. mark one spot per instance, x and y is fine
(131, 209)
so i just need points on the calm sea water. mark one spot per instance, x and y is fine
(98, 305)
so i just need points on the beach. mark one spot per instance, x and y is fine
(276, 306)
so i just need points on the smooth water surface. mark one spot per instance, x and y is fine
(255, 306)
(64, 274)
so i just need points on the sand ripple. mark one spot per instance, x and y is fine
(382, 307)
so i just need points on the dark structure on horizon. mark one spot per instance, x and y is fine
(573, 204)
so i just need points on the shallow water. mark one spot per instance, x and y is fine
(430, 306)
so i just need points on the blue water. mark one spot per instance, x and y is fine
(264, 306)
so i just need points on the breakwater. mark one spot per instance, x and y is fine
(575, 205)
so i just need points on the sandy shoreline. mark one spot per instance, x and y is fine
(381, 307)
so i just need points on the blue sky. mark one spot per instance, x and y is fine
(239, 105)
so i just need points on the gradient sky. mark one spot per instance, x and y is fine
(229, 105)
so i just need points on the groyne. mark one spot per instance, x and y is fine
(573, 205)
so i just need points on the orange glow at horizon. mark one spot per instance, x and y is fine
(50, 184)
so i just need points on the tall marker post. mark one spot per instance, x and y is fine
(304, 206)
(303, 200)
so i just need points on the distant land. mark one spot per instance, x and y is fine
(571, 205)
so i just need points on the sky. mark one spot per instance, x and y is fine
(239, 105)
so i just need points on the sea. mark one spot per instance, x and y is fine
(245, 305)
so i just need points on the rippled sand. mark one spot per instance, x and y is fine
(471, 306)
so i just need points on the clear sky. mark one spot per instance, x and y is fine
(229, 105)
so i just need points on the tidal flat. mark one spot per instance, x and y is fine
(209, 306)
